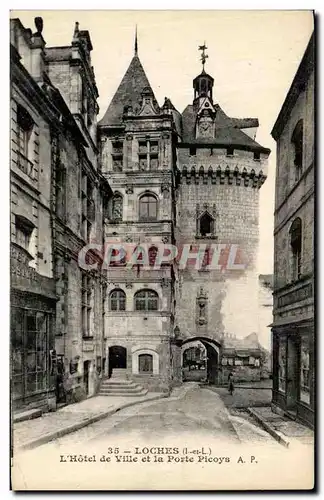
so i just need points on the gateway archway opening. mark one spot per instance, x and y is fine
(200, 360)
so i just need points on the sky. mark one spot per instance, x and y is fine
(252, 56)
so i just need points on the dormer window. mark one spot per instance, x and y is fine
(230, 151)
(256, 156)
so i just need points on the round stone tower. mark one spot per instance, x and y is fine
(220, 171)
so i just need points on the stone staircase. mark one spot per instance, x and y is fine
(118, 385)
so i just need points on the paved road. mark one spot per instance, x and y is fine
(195, 420)
(198, 413)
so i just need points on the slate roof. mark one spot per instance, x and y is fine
(249, 342)
(227, 130)
(127, 94)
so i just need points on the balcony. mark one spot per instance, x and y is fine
(26, 166)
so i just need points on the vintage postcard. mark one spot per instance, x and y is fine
(162, 250)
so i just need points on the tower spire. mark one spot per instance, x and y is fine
(204, 56)
(135, 48)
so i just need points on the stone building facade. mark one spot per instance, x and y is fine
(192, 180)
(293, 311)
(56, 208)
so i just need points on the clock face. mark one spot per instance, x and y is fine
(205, 128)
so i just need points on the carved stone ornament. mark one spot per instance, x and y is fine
(165, 239)
(164, 283)
(129, 285)
(129, 189)
(129, 137)
(165, 188)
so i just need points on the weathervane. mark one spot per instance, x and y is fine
(203, 55)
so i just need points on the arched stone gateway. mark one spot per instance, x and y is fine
(211, 358)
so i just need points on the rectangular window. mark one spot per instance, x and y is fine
(304, 371)
(24, 231)
(86, 305)
(60, 191)
(282, 358)
(88, 207)
(145, 362)
(238, 362)
(117, 156)
(148, 155)
(24, 132)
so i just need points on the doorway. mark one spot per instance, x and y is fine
(86, 369)
(117, 358)
(292, 373)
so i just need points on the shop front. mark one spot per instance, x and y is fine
(293, 371)
(33, 360)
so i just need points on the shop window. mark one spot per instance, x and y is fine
(117, 300)
(297, 142)
(29, 338)
(148, 207)
(304, 372)
(282, 358)
(296, 247)
(145, 363)
(146, 300)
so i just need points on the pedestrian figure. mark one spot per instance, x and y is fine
(230, 383)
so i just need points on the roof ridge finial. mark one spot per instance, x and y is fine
(203, 55)
(76, 30)
(136, 47)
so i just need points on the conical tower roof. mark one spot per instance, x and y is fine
(129, 93)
